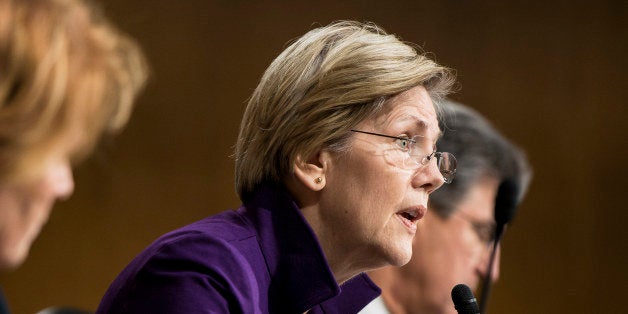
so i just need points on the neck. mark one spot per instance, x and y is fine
(345, 259)
(331, 250)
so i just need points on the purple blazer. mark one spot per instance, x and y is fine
(260, 258)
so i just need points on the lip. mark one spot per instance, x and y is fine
(410, 216)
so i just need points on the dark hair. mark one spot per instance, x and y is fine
(481, 151)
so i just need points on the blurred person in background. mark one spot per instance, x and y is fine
(454, 240)
(335, 161)
(67, 76)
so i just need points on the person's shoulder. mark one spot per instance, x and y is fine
(221, 234)
(226, 226)
(215, 256)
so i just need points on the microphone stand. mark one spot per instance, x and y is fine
(486, 286)
(506, 202)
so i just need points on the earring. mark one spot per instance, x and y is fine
(318, 180)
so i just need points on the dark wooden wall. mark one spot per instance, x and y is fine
(550, 75)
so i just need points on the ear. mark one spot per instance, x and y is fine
(311, 172)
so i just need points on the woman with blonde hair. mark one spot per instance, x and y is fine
(334, 163)
(66, 77)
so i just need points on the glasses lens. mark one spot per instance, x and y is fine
(447, 165)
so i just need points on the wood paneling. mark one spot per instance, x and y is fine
(551, 76)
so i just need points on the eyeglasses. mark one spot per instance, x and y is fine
(485, 230)
(446, 161)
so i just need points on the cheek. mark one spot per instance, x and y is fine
(454, 243)
(370, 188)
(14, 228)
(471, 251)
(23, 212)
(16, 205)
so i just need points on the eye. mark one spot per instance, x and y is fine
(486, 232)
(404, 143)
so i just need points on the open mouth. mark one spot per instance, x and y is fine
(409, 217)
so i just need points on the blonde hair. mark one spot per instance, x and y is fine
(64, 71)
(320, 87)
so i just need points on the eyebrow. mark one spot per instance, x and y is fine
(423, 125)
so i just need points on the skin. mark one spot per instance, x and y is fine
(356, 209)
(447, 252)
(25, 207)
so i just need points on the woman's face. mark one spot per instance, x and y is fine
(372, 199)
(25, 207)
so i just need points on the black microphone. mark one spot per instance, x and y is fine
(506, 202)
(505, 207)
(464, 301)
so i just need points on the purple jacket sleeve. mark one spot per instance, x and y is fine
(188, 274)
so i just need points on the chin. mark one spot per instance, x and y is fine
(12, 260)
(402, 260)
(400, 256)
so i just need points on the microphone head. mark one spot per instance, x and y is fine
(464, 301)
(506, 201)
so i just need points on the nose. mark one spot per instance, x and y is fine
(483, 266)
(429, 177)
(60, 179)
